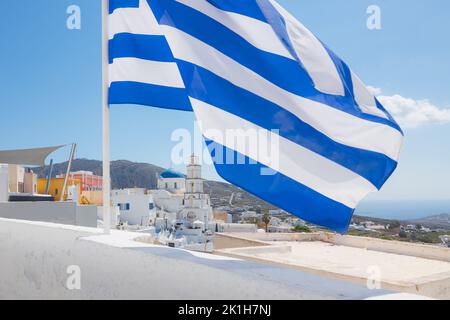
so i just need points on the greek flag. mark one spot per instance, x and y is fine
(142, 69)
(249, 66)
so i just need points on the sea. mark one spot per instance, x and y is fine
(402, 209)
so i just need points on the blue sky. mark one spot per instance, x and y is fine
(50, 85)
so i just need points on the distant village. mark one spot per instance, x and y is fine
(399, 230)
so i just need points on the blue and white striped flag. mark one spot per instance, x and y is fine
(249, 66)
(142, 69)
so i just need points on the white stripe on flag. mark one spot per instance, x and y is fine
(133, 20)
(364, 99)
(313, 55)
(145, 71)
(336, 124)
(306, 167)
(256, 32)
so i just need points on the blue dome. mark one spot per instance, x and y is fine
(171, 174)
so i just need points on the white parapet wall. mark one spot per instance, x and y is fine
(397, 247)
(56, 212)
(237, 227)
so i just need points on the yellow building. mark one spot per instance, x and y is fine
(56, 186)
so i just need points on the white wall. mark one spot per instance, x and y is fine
(167, 201)
(86, 216)
(237, 227)
(4, 182)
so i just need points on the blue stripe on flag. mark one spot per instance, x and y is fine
(206, 86)
(148, 47)
(281, 191)
(382, 108)
(117, 4)
(247, 8)
(149, 95)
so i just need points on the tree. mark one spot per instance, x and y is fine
(266, 220)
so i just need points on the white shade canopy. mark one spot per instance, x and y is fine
(31, 157)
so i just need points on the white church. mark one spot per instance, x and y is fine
(182, 198)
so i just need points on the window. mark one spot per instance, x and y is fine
(175, 185)
(167, 185)
(56, 191)
(124, 206)
(151, 206)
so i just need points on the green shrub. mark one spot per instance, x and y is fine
(301, 229)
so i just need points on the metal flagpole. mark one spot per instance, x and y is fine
(105, 113)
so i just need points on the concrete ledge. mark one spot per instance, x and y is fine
(263, 238)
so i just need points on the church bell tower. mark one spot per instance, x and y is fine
(194, 185)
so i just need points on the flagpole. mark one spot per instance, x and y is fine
(105, 116)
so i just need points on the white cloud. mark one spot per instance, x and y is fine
(374, 91)
(411, 113)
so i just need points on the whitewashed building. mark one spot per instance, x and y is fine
(136, 207)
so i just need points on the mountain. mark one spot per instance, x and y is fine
(127, 174)
(124, 174)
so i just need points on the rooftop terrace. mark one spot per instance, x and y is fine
(405, 267)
